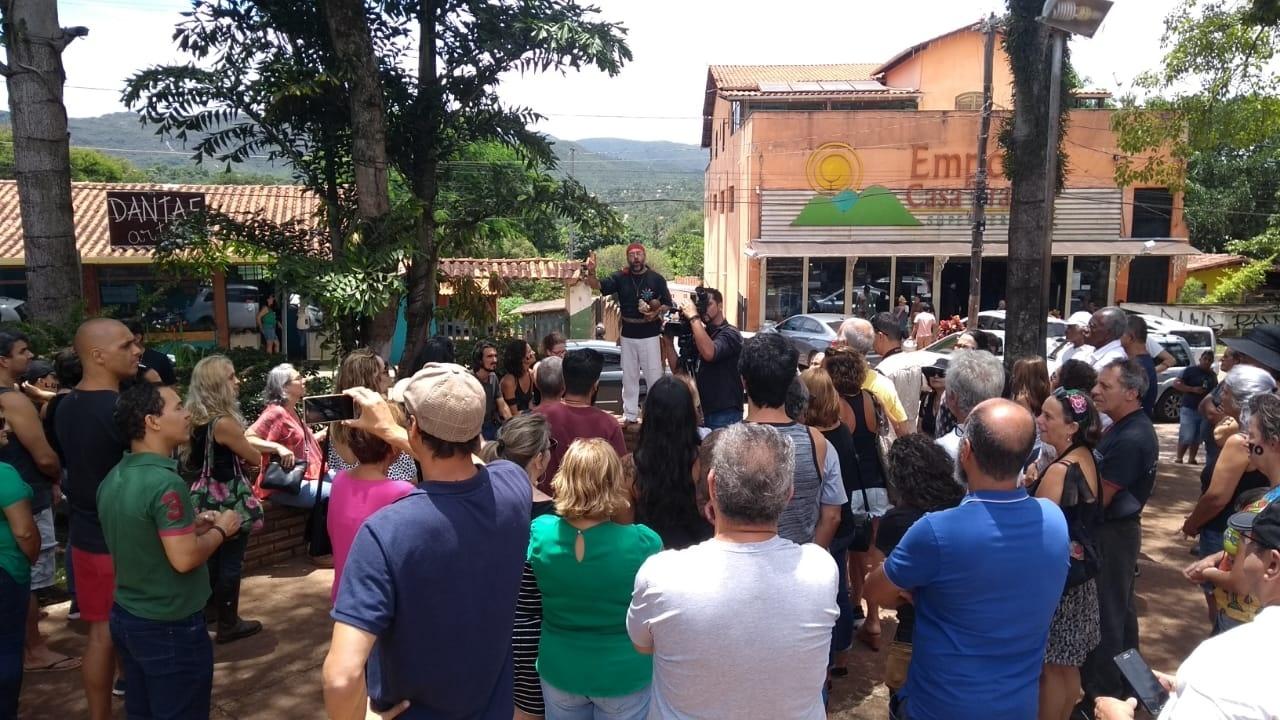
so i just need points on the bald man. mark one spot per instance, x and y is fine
(93, 445)
(985, 578)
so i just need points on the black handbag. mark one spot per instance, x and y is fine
(281, 480)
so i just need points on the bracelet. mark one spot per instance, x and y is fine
(221, 532)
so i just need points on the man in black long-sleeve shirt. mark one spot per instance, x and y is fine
(643, 298)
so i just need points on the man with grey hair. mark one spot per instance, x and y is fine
(973, 377)
(745, 605)
(549, 377)
(1106, 333)
(859, 335)
(1126, 459)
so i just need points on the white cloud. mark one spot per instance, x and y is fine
(658, 96)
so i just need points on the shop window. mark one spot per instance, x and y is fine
(871, 287)
(826, 285)
(730, 199)
(969, 102)
(131, 291)
(1089, 283)
(13, 283)
(1152, 213)
(914, 280)
(783, 281)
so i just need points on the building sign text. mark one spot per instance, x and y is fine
(135, 218)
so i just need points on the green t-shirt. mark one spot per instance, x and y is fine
(12, 559)
(585, 649)
(141, 500)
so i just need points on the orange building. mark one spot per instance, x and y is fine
(837, 188)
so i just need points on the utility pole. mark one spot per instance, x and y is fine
(980, 180)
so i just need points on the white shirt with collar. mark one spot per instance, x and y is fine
(1231, 676)
(1083, 353)
(1107, 354)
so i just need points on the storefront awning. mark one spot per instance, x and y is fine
(1159, 247)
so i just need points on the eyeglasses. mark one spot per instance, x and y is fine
(551, 445)
(1256, 541)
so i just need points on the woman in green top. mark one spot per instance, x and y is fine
(19, 546)
(267, 325)
(586, 567)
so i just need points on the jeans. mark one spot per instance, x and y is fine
(226, 564)
(1190, 427)
(306, 497)
(722, 418)
(639, 355)
(14, 597)
(1119, 542)
(561, 705)
(842, 633)
(489, 431)
(169, 665)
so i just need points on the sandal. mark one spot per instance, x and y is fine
(66, 663)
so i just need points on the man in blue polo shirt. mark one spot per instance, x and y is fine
(429, 589)
(985, 578)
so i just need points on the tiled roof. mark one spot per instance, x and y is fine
(1208, 261)
(507, 269)
(749, 77)
(279, 203)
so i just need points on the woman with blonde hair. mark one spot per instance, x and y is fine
(225, 456)
(364, 368)
(586, 564)
(526, 441)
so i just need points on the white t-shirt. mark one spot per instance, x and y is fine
(738, 630)
(1108, 354)
(1231, 676)
(1083, 353)
(924, 324)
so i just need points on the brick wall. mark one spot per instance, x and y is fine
(283, 535)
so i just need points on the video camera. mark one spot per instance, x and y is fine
(676, 327)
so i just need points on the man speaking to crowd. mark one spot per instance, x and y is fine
(718, 347)
(643, 299)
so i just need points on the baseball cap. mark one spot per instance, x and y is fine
(1261, 343)
(446, 400)
(37, 370)
(1079, 319)
(1262, 527)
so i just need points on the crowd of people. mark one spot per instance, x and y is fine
(501, 550)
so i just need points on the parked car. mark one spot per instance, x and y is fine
(242, 307)
(809, 332)
(995, 320)
(12, 310)
(1200, 338)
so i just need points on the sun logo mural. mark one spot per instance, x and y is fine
(834, 171)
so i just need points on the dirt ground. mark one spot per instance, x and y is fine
(277, 673)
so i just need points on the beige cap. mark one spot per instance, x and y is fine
(446, 400)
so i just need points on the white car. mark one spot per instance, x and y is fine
(995, 320)
(1200, 338)
(12, 310)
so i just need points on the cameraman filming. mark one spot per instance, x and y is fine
(718, 346)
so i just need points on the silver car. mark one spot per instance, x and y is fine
(609, 394)
(810, 332)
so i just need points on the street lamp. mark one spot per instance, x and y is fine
(1062, 17)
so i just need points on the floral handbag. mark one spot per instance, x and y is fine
(212, 493)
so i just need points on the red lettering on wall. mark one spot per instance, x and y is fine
(919, 162)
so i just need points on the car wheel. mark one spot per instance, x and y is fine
(1167, 406)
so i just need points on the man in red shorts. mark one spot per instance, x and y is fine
(93, 444)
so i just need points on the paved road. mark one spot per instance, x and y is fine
(277, 673)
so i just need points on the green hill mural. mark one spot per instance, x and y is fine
(876, 206)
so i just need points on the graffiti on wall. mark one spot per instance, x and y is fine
(1224, 320)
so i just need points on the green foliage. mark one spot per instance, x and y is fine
(1264, 245)
(1215, 91)
(684, 252)
(1230, 194)
(48, 338)
(1236, 285)
(86, 165)
(252, 366)
(1193, 291)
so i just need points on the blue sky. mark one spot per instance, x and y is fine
(658, 96)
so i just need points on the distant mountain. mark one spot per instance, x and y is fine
(614, 168)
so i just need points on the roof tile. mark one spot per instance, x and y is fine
(749, 77)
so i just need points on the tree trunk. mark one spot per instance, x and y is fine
(425, 185)
(349, 31)
(1029, 47)
(41, 157)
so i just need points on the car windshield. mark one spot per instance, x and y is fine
(1195, 338)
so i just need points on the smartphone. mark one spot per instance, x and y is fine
(1145, 686)
(328, 408)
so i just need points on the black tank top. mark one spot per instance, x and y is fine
(1250, 480)
(867, 444)
(524, 400)
(224, 460)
